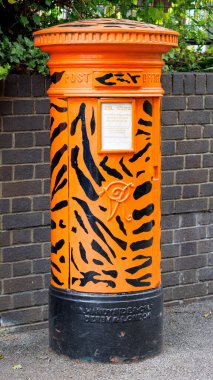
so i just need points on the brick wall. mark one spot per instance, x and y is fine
(187, 193)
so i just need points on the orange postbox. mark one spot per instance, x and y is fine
(105, 293)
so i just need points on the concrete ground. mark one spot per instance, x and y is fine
(188, 353)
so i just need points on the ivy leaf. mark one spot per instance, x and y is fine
(28, 42)
(24, 20)
(4, 70)
(208, 69)
(36, 19)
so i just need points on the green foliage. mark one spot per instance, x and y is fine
(20, 55)
(191, 18)
(186, 59)
(20, 18)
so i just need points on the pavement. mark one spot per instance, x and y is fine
(187, 355)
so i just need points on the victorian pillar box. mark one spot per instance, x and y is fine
(105, 293)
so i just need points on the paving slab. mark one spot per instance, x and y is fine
(187, 355)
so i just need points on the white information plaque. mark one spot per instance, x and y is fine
(116, 126)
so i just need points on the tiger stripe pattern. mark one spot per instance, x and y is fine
(59, 193)
(114, 214)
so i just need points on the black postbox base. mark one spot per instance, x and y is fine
(106, 328)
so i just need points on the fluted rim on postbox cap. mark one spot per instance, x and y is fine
(106, 30)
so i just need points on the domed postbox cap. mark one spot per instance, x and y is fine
(82, 51)
(107, 31)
